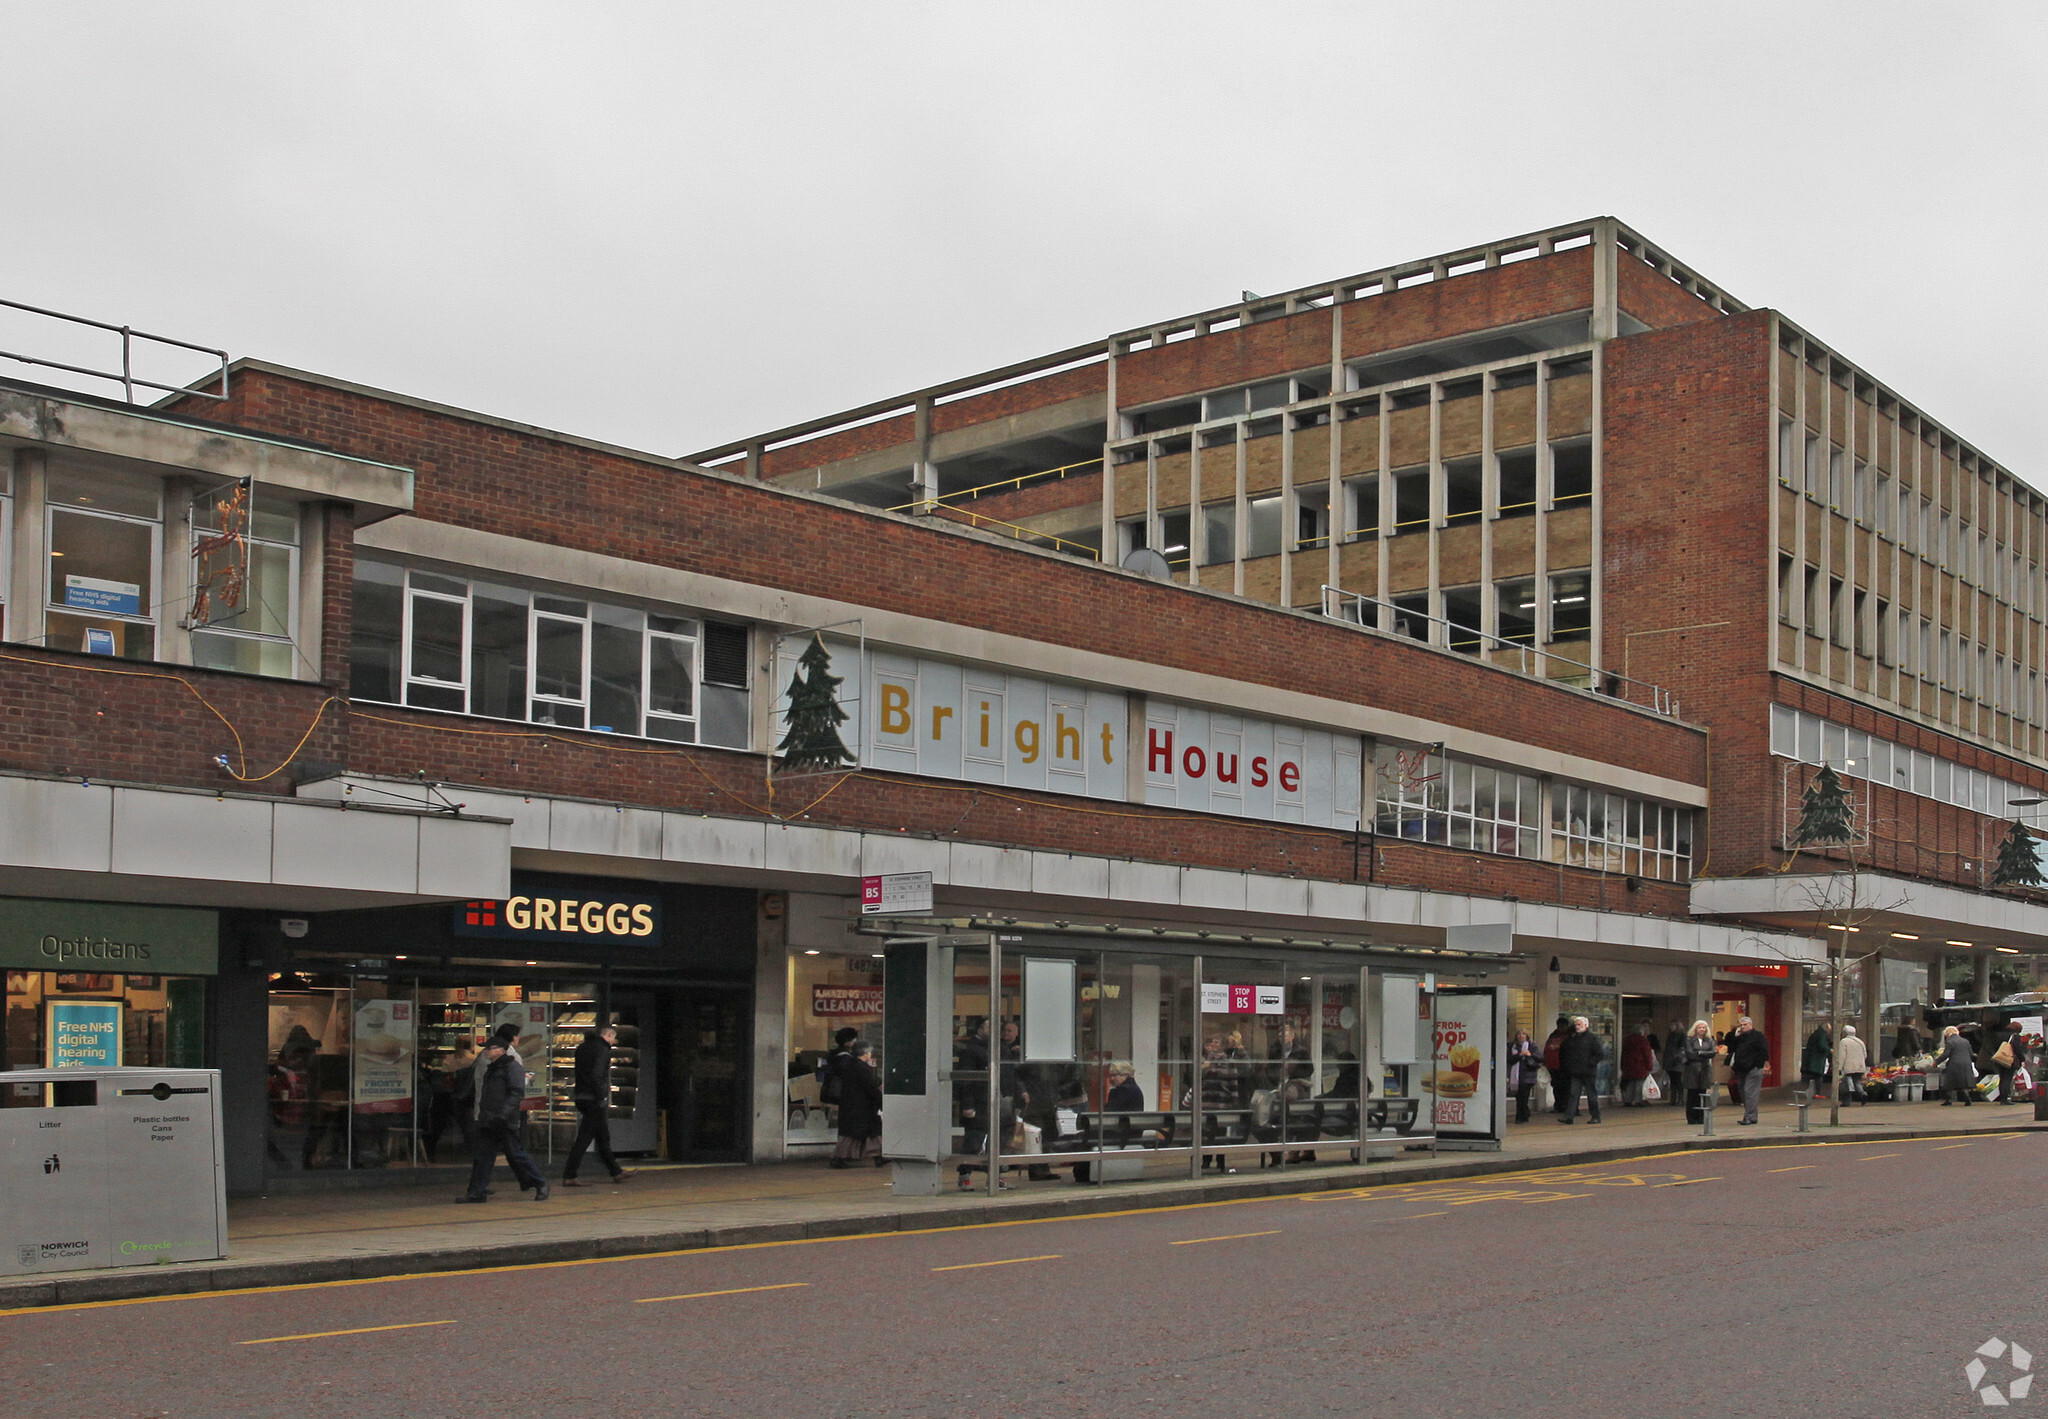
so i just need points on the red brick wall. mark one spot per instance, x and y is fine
(527, 486)
(1651, 297)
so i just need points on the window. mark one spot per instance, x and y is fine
(1441, 799)
(1464, 495)
(1362, 507)
(1571, 472)
(1571, 607)
(1462, 610)
(1884, 632)
(1837, 492)
(1786, 587)
(1411, 616)
(1814, 610)
(1311, 517)
(1514, 610)
(439, 642)
(105, 542)
(1173, 538)
(1517, 482)
(1838, 612)
(1883, 511)
(257, 636)
(1611, 832)
(1219, 532)
(1411, 500)
(1788, 453)
(1812, 483)
(1262, 527)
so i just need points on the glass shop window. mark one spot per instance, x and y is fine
(105, 544)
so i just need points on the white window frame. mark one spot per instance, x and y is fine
(533, 695)
(154, 620)
(291, 617)
(406, 633)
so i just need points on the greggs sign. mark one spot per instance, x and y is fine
(605, 919)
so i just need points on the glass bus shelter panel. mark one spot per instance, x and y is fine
(973, 1052)
(1050, 1045)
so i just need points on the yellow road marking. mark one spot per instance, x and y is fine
(360, 1330)
(735, 1291)
(1686, 1182)
(1233, 1237)
(1007, 1261)
(1946, 1146)
(1803, 1167)
(1420, 1215)
(1312, 1195)
(1875, 1156)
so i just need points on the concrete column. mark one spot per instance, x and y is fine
(1980, 982)
(1873, 996)
(1937, 969)
(768, 1142)
(174, 581)
(28, 585)
(1700, 994)
(924, 476)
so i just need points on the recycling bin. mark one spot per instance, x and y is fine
(110, 1167)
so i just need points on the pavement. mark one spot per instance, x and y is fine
(356, 1234)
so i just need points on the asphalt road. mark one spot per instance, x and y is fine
(1799, 1281)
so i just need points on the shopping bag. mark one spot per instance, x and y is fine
(1651, 1092)
(2022, 1080)
(1034, 1138)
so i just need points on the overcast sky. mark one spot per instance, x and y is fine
(672, 225)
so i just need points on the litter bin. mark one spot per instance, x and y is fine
(110, 1167)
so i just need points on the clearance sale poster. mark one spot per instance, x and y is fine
(1462, 1073)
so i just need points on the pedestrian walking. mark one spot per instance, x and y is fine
(1696, 1063)
(2010, 1054)
(1748, 1053)
(592, 1095)
(970, 1096)
(1553, 1061)
(860, 1108)
(1581, 1055)
(499, 1121)
(1958, 1068)
(1816, 1062)
(1852, 1058)
(1638, 1062)
(1673, 1059)
(1524, 1059)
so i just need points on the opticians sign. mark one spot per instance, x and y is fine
(603, 918)
(91, 593)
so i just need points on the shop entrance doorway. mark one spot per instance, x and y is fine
(1762, 1005)
(707, 1030)
(1660, 1013)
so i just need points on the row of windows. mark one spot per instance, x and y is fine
(1919, 525)
(1461, 496)
(114, 571)
(1809, 739)
(1455, 615)
(1442, 799)
(1855, 620)
(477, 647)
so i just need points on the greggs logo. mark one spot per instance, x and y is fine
(561, 917)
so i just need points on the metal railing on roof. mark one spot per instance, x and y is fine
(125, 376)
(984, 523)
(1003, 485)
(1504, 651)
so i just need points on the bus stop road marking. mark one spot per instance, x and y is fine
(1420, 1215)
(1007, 1261)
(735, 1291)
(1232, 1237)
(1803, 1167)
(360, 1330)
(1875, 1156)
(1686, 1182)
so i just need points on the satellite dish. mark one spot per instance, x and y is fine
(1146, 562)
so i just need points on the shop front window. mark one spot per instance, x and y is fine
(374, 1071)
(829, 992)
(105, 538)
(158, 1020)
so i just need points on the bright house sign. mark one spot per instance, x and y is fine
(916, 715)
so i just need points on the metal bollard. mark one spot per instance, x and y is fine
(1803, 1097)
(1712, 1092)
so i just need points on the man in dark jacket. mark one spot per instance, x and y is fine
(1553, 1061)
(1580, 1054)
(498, 1124)
(1748, 1053)
(1674, 1063)
(593, 1100)
(970, 1096)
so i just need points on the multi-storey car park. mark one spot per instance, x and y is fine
(1476, 619)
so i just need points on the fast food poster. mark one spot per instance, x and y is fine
(383, 1050)
(1462, 1071)
(532, 1020)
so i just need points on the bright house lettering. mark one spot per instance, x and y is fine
(1212, 762)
